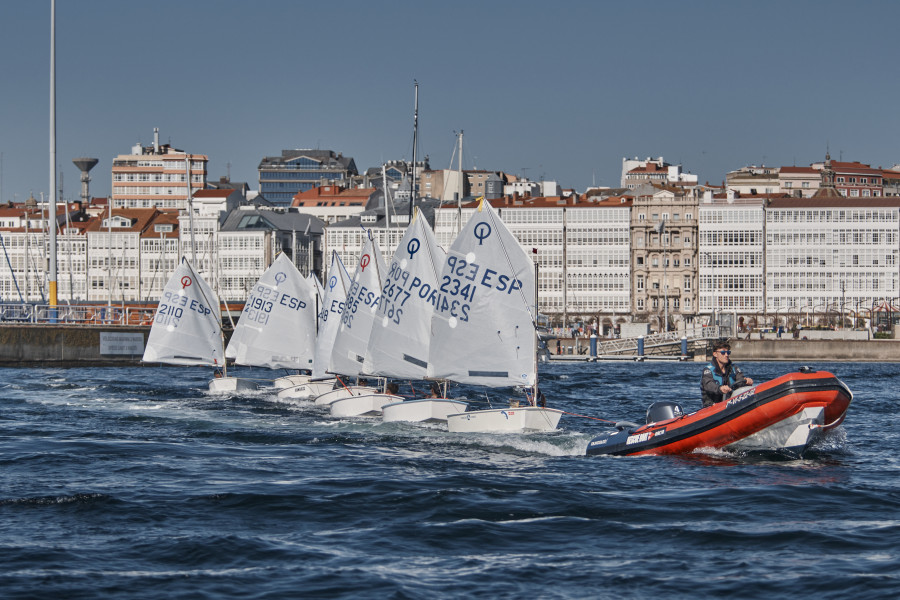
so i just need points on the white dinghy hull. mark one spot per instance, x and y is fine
(223, 385)
(422, 410)
(518, 419)
(344, 392)
(289, 381)
(369, 405)
(306, 391)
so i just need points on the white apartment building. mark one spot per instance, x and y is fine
(114, 262)
(731, 270)
(156, 176)
(160, 255)
(830, 256)
(583, 252)
(347, 237)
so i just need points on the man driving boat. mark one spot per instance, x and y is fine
(721, 376)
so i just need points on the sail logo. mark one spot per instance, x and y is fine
(332, 282)
(482, 232)
(413, 246)
(364, 262)
(279, 278)
(186, 282)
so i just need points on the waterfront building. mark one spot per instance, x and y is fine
(582, 250)
(160, 254)
(281, 177)
(636, 173)
(664, 256)
(753, 180)
(730, 248)
(827, 258)
(333, 203)
(114, 270)
(890, 181)
(444, 184)
(156, 176)
(250, 239)
(854, 179)
(23, 233)
(387, 224)
(799, 182)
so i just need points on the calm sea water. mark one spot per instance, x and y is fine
(135, 483)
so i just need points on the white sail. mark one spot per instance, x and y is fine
(187, 327)
(363, 299)
(336, 287)
(482, 328)
(277, 328)
(401, 334)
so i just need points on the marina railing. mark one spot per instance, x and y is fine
(76, 314)
(658, 340)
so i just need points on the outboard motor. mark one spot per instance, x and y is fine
(662, 411)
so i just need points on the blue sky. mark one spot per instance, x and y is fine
(558, 90)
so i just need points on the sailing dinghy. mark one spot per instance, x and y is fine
(187, 329)
(277, 327)
(328, 321)
(401, 334)
(297, 379)
(484, 325)
(352, 339)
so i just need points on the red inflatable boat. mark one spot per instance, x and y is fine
(784, 415)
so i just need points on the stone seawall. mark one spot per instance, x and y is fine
(817, 350)
(61, 346)
(72, 345)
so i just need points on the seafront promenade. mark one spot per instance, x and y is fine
(76, 345)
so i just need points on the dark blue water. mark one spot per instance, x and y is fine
(134, 483)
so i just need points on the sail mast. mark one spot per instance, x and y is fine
(461, 179)
(412, 186)
(52, 207)
(537, 339)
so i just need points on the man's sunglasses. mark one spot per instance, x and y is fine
(724, 352)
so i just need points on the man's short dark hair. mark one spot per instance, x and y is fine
(721, 345)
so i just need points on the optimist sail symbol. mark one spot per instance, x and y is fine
(332, 282)
(482, 232)
(279, 277)
(413, 246)
(186, 281)
(364, 262)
